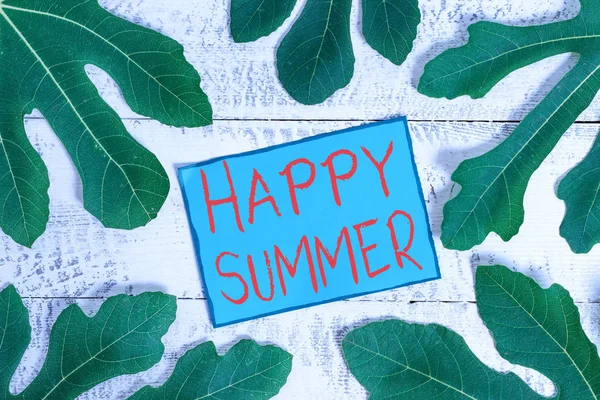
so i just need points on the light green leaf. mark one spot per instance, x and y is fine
(533, 327)
(15, 334)
(493, 185)
(124, 337)
(253, 19)
(44, 47)
(580, 190)
(246, 371)
(540, 329)
(316, 58)
(390, 27)
(396, 360)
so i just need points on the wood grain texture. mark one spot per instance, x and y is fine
(78, 257)
(78, 260)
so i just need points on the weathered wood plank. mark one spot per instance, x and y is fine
(312, 335)
(241, 80)
(78, 257)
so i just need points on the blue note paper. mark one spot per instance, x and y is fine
(318, 220)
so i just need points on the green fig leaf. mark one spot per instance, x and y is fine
(253, 19)
(315, 58)
(124, 337)
(15, 335)
(397, 360)
(493, 185)
(580, 192)
(246, 371)
(44, 48)
(539, 329)
(532, 327)
(390, 27)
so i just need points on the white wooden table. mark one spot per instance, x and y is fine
(77, 260)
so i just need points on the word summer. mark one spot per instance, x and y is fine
(310, 250)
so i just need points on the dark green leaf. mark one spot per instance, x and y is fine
(24, 183)
(533, 327)
(580, 190)
(124, 337)
(390, 27)
(493, 185)
(397, 360)
(253, 19)
(247, 371)
(15, 334)
(315, 58)
(540, 329)
(44, 47)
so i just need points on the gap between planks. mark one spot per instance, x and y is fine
(469, 121)
(345, 300)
